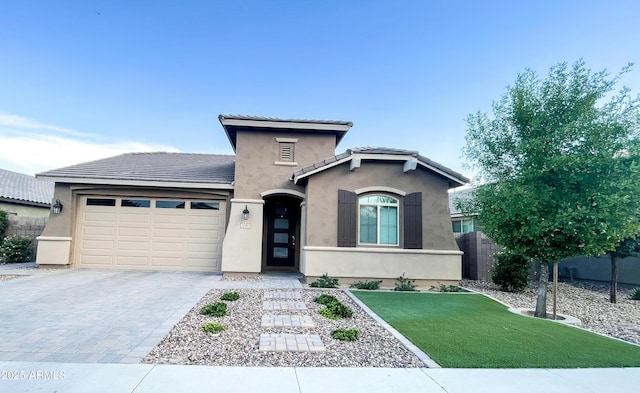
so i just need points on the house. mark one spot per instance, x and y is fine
(283, 202)
(24, 195)
(460, 222)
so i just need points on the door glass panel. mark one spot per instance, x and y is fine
(282, 238)
(281, 223)
(170, 204)
(100, 202)
(280, 252)
(135, 203)
(281, 210)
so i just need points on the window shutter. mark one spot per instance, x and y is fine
(347, 218)
(413, 221)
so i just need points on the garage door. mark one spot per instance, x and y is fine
(149, 233)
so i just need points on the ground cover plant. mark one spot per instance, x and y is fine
(230, 296)
(325, 281)
(371, 285)
(473, 331)
(345, 334)
(217, 309)
(334, 309)
(213, 327)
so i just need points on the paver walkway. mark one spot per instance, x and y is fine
(103, 316)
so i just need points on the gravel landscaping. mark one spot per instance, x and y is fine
(586, 301)
(186, 343)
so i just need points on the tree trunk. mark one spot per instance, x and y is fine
(613, 290)
(541, 303)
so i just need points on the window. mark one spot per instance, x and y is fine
(135, 203)
(100, 202)
(205, 205)
(378, 220)
(464, 225)
(169, 204)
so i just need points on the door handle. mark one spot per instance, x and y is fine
(293, 241)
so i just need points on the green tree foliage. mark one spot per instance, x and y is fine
(560, 166)
(511, 272)
(626, 248)
(4, 223)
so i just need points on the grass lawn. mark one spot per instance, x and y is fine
(473, 331)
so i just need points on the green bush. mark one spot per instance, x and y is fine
(404, 284)
(512, 272)
(218, 309)
(635, 294)
(230, 296)
(325, 299)
(325, 281)
(345, 334)
(336, 310)
(15, 249)
(373, 285)
(4, 223)
(450, 288)
(213, 327)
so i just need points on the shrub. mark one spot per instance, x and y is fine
(345, 334)
(230, 296)
(4, 223)
(325, 299)
(213, 327)
(404, 284)
(511, 272)
(218, 309)
(15, 249)
(373, 285)
(336, 310)
(325, 281)
(635, 294)
(450, 288)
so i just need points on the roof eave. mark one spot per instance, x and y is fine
(138, 183)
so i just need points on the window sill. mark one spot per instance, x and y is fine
(285, 163)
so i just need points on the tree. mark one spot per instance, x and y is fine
(626, 248)
(559, 163)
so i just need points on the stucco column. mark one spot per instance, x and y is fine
(54, 245)
(242, 246)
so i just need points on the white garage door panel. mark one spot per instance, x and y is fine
(127, 237)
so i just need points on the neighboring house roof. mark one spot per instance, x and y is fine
(152, 169)
(454, 196)
(232, 123)
(355, 156)
(24, 189)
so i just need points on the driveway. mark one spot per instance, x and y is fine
(93, 316)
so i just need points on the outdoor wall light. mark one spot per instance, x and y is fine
(245, 213)
(57, 207)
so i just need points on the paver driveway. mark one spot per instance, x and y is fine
(95, 316)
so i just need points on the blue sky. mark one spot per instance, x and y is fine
(82, 80)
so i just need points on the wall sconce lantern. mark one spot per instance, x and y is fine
(245, 213)
(57, 207)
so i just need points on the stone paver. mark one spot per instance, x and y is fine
(277, 305)
(97, 316)
(304, 321)
(282, 295)
(290, 342)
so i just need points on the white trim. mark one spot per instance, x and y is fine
(54, 238)
(355, 164)
(285, 163)
(256, 201)
(382, 250)
(138, 183)
(296, 178)
(287, 140)
(286, 124)
(380, 189)
(410, 165)
(277, 191)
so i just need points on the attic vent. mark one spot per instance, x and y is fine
(286, 151)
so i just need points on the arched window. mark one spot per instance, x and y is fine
(378, 220)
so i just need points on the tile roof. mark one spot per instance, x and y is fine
(275, 119)
(24, 188)
(164, 167)
(382, 151)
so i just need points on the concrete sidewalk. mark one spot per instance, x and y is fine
(138, 378)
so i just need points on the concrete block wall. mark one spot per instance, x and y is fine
(30, 227)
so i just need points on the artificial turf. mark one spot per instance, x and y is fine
(473, 331)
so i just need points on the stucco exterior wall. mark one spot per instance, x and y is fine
(257, 153)
(25, 210)
(322, 200)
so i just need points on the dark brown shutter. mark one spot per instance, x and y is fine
(347, 218)
(412, 215)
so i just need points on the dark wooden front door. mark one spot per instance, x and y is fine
(282, 222)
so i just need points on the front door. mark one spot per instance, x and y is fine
(282, 221)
